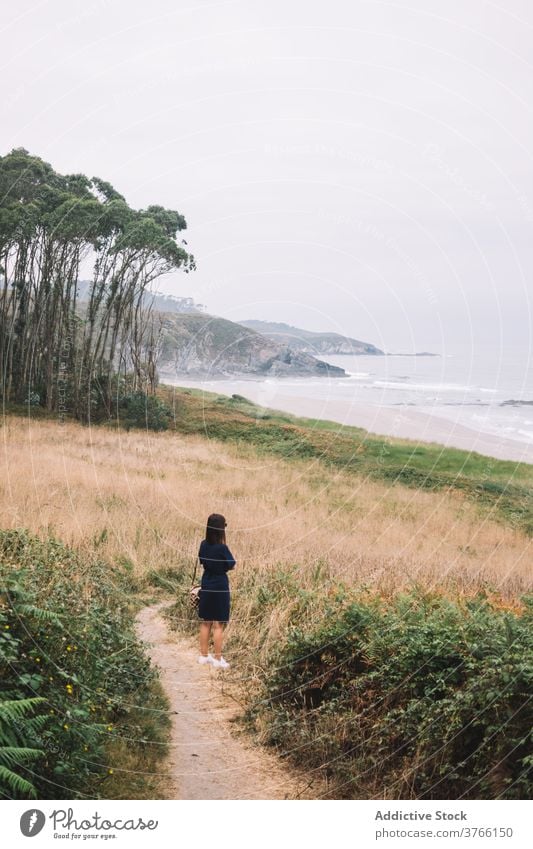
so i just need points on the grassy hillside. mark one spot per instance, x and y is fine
(138, 500)
(372, 557)
(501, 489)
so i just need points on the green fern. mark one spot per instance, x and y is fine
(15, 784)
(14, 710)
(15, 727)
(39, 613)
(12, 756)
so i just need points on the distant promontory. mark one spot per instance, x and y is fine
(198, 344)
(311, 342)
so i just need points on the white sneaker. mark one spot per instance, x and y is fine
(220, 664)
(206, 659)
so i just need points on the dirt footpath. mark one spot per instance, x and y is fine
(207, 760)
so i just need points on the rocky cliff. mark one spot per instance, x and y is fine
(204, 345)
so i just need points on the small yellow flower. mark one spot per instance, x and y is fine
(6, 627)
(110, 772)
(85, 748)
(37, 660)
(66, 727)
(109, 727)
(51, 711)
(69, 648)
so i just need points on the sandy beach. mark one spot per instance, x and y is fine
(399, 421)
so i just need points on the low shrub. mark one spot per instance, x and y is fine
(414, 697)
(143, 411)
(70, 665)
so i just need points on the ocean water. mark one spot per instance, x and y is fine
(472, 389)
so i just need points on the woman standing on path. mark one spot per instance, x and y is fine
(213, 609)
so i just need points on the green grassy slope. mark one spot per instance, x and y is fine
(504, 488)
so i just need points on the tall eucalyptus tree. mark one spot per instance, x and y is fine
(55, 350)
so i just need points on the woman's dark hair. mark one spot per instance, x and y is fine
(215, 533)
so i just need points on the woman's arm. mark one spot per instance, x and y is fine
(229, 558)
(216, 559)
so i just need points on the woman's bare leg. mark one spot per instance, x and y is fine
(205, 628)
(218, 637)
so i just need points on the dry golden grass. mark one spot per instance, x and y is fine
(144, 497)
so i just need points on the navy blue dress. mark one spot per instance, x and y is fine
(217, 560)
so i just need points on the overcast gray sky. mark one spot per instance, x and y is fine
(359, 166)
